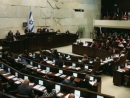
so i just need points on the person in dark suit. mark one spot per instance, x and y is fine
(45, 30)
(24, 89)
(58, 62)
(25, 70)
(55, 54)
(26, 30)
(69, 81)
(11, 86)
(17, 33)
(85, 83)
(67, 32)
(10, 33)
(39, 30)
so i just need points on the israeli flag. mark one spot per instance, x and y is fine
(31, 22)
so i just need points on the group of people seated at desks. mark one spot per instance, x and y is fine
(25, 89)
(45, 30)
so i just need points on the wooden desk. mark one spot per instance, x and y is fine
(84, 92)
(92, 52)
(32, 42)
(118, 78)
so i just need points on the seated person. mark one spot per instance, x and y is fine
(43, 62)
(17, 33)
(24, 89)
(123, 52)
(45, 30)
(67, 32)
(85, 44)
(26, 30)
(102, 46)
(10, 33)
(93, 44)
(86, 84)
(71, 95)
(39, 30)
(69, 81)
(59, 62)
(52, 30)
(85, 57)
(120, 44)
(128, 46)
(11, 86)
(118, 40)
(55, 54)
(97, 59)
(49, 92)
(58, 31)
(25, 70)
(96, 45)
(123, 41)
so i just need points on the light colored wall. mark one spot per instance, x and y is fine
(112, 24)
(58, 14)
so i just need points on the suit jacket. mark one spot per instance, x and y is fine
(26, 31)
(25, 90)
(59, 63)
(11, 88)
(86, 84)
(45, 30)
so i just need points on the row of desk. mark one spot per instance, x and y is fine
(91, 52)
(34, 41)
(59, 74)
(40, 86)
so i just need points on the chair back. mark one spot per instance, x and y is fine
(13, 92)
(74, 59)
(22, 96)
(96, 66)
(46, 97)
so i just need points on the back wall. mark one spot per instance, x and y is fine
(57, 14)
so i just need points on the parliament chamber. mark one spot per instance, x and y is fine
(67, 64)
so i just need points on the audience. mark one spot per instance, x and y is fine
(86, 83)
(67, 32)
(24, 89)
(85, 57)
(11, 86)
(59, 62)
(17, 33)
(69, 81)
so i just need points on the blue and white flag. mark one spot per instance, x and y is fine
(31, 22)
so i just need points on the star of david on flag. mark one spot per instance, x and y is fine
(31, 22)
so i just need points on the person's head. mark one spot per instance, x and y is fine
(72, 78)
(97, 59)
(24, 66)
(85, 56)
(49, 87)
(11, 82)
(87, 78)
(71, 95)
(60, 57)
(26, 82)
